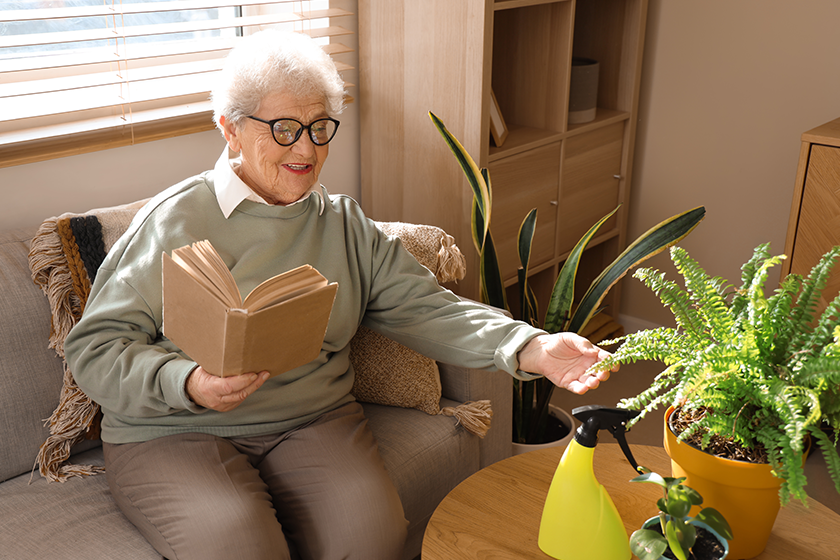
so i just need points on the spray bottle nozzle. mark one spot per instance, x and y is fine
(595, 418)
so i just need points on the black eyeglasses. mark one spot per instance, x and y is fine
(288, 131)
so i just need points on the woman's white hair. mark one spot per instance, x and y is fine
(275, 61)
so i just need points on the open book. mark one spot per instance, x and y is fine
(277, 327)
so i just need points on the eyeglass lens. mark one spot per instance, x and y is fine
(287, 131)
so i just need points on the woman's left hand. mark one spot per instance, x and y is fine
(564, 358)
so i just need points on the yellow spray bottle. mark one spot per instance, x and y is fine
(579, 520)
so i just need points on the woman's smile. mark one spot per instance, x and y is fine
(298, 168)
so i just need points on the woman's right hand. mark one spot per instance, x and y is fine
(222, 393)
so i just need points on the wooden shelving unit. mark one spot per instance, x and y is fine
(446, 57)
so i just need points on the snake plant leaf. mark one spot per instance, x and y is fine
(493, 290)
(652, 242)
(475, 177)
(526, 238)
(544, 390)
(477, 226)
(523, 398)
(489, 203)
(562, 295)
(526, 310)
(530, 311)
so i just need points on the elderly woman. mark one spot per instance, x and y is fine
(247, 466)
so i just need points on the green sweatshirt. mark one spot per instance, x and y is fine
(121, 360)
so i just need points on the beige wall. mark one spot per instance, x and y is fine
(728, 87)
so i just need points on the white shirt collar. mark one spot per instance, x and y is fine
(231, 190)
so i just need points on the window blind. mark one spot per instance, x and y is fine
(83, 75)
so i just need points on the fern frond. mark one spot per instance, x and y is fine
(824, 332)
(677, 300)
(830, 454)
(759, 306)
(793, 477)
(777, 325)
(748, 270)
(787, 466)
(662, 344)
(798, 408)
(768, 437)
(808, 300)
(706, 292)
(646, 402)
(822, 376)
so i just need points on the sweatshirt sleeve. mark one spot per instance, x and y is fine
(116, 352)
(407, 304)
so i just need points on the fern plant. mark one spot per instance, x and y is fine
(761, 371)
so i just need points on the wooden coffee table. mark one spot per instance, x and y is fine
(495, 513)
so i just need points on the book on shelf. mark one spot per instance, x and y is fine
(277, 327)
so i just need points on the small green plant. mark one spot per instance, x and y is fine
(531, 398)
(678, 533)
(762, 372)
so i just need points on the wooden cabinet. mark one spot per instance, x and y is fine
(814, 225)
(522, 182)
(446, 57)
(591, 175)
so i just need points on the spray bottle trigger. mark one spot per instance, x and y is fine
(622, 442)
(598, 417)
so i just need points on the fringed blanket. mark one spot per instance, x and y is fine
(64, 257)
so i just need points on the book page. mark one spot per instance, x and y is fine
(284, 287)
(206, 251)
(206, 270)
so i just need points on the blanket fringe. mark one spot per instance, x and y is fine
(46, 255)
(474, 416)
(68, 424)
(451, 265)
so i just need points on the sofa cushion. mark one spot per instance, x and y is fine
(73, 521)
(426, 456)
(30, 373)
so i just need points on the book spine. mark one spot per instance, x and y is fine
(234, 348)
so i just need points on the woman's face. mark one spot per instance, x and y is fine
(279, 174)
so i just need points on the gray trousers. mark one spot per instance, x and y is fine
(319, 491)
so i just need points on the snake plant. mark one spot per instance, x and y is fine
(758, 371)
(531, 398)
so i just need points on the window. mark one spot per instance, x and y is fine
(83, 75)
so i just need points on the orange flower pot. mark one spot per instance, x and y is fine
(747, 494)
